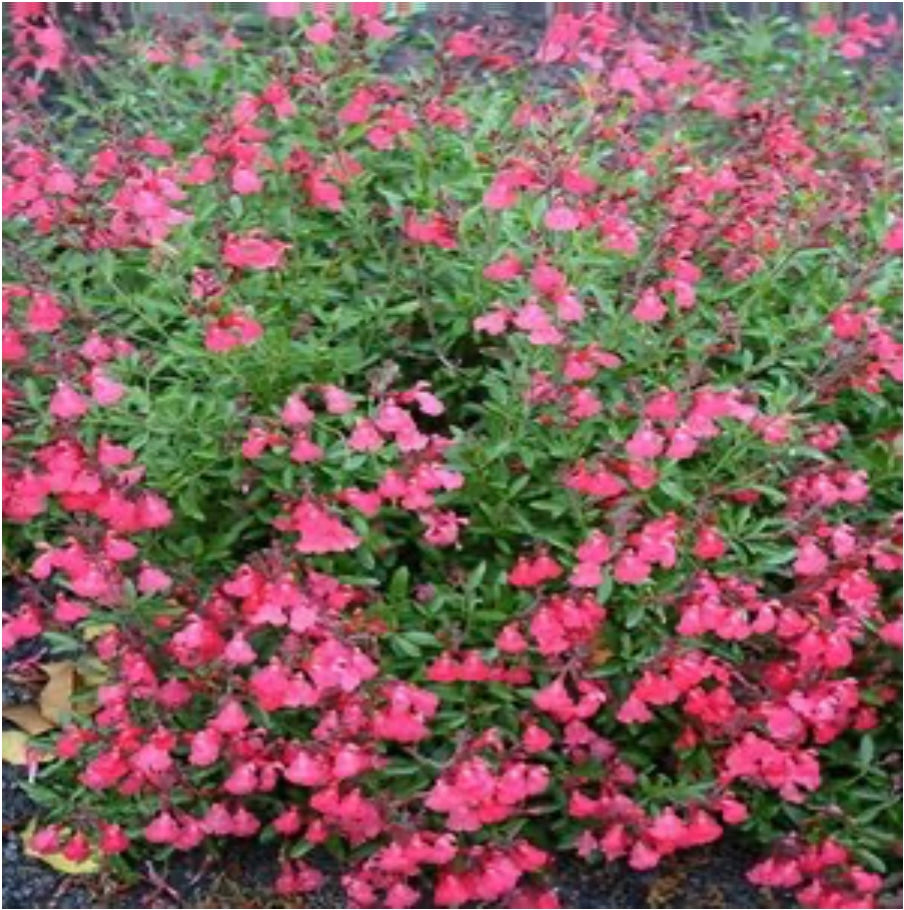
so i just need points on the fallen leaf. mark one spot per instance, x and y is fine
(15, 747)
(56, 696)
(19, 750)
(56, 860)
(28, 718)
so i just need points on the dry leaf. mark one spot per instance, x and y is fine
(57, 860)
(15, 747)
(29, 718)
(19, 750)
(56, 696)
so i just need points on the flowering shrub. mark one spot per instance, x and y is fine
(455, 460)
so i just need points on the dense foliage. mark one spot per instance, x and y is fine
(453, 456)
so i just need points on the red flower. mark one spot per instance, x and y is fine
(433, 230)
(319, 530)
(530, 573)
(253, 251)
(561, 218)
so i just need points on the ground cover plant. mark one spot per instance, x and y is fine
(452, 457)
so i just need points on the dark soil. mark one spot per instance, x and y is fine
(243, 877)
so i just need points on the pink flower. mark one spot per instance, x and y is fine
(426, 400)
(66, 403)
(851, 49)
(709, 544)
(297, 877)
(245, 181)
(649, 308)
(530, 573)
(634, 711)
(442, 528)
(218, 821)
(284, 10)
(78, 849)
(598, 482)
(205, 748)
(242, 780)
(365, 437)
(336, 400)
(555, 700)
(776, 873)
(645, 443)
(230, 719)
(104, 390)
(536, 739)
(304, 450)
(505, 268)
(667, 830)
(643, 857)
(663, 406)
(152, 580)
(548, 280)
(44, 314)
(104, 771)
(113, 839)
(894, 238)
(575, 182)
(433, 230)
(732, 810)
(288, 822)
(296, 413)
(319, 530)
(335, 664)
(253, 251)
(824, 27)
(307, 770)
(501, 194)
(586, 575)
(238, 652)
(561, 218)
(162, 830)
(891, 633)
(810, 558)
(630, 569)
(231, 331)
(595, 549)
(320, 33)
(534, 320)
(367, 503)
(569, 308)
(493, 323)
(510, 640)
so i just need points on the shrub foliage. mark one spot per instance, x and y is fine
(451, 455)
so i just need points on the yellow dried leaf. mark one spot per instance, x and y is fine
(56, 696)
(18, 748)
(56, 860)
(15, 747)
(28, 718)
